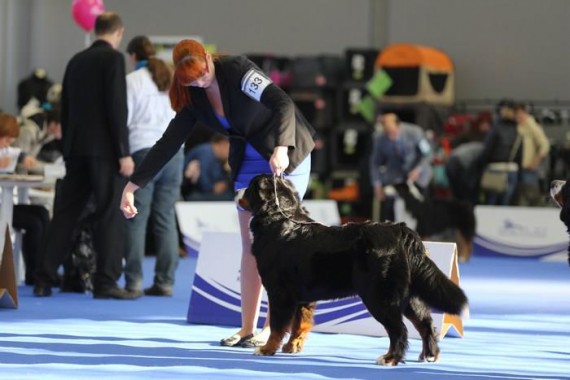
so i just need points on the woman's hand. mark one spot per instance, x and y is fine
(192, 171)
(279, 160)
(128, 201)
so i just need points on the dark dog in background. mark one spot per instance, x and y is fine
(435, 216)
(301, 262)
(560, 194)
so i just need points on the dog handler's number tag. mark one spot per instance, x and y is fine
(254, 83)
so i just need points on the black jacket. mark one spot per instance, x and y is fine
(272, 121)
(94, 104)
(499, 143)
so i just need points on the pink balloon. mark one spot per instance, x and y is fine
(85, 12)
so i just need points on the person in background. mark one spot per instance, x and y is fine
(206, 170)
(32, 219)
(535, 147)
(267, 135)
(400, 153)
(40, 133)
(149, 115)
(501, 144)
(463, 169)
(97, 161)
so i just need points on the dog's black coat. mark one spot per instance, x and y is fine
(560, 193)
(434, 216)
(301, 262)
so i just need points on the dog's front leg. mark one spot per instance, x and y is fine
(280, 315)
(272, 345)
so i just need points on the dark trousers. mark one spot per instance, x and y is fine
(86, 176)
(33, 221)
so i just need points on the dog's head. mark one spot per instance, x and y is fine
(560, 194)
(267, 192)
(556, 192)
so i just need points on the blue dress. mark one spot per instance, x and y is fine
(254, 164)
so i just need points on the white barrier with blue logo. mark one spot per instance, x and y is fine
(531, 232)
(215, 297)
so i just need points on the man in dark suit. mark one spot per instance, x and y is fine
(97, 161)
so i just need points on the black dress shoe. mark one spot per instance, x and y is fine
(156, 290)
(114, 293)
(42, 291)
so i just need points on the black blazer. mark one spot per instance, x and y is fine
(94, 104)
(271, 121)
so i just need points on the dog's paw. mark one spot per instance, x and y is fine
(293, 347)
(263, 351)
(388, 360)
(430, 358)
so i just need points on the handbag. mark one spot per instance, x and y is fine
(495, 177)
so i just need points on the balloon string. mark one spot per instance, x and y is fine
(87, 39)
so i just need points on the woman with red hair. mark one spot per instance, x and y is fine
(267, 134)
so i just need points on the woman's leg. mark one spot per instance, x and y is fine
(251, 290)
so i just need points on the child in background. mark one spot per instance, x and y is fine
(32, 219)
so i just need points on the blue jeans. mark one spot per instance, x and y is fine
(155, 200)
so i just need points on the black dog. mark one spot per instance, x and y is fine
(434, 216)
(560, 194)
(301, 261)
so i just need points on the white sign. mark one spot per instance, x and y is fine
(520, 231)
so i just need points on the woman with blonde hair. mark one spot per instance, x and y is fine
(267, 135)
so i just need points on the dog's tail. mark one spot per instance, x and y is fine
(432, 286)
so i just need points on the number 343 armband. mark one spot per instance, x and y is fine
(254, 83)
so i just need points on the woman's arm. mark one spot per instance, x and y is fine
(165, 148)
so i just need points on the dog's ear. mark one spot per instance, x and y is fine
(266, 187)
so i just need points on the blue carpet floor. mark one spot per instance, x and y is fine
(519, 328)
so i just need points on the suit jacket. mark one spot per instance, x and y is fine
(94, 104)
(266, 119)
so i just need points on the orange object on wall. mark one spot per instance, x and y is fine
(419, 74)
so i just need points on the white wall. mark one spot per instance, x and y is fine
(290, 27)
(515, 48)
(501, 48)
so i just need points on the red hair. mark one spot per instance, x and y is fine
(9, 126)
(189, 57)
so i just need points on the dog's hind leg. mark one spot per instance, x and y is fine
(389, 313)
(281, 313)
(302, 324)
(419, 314)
